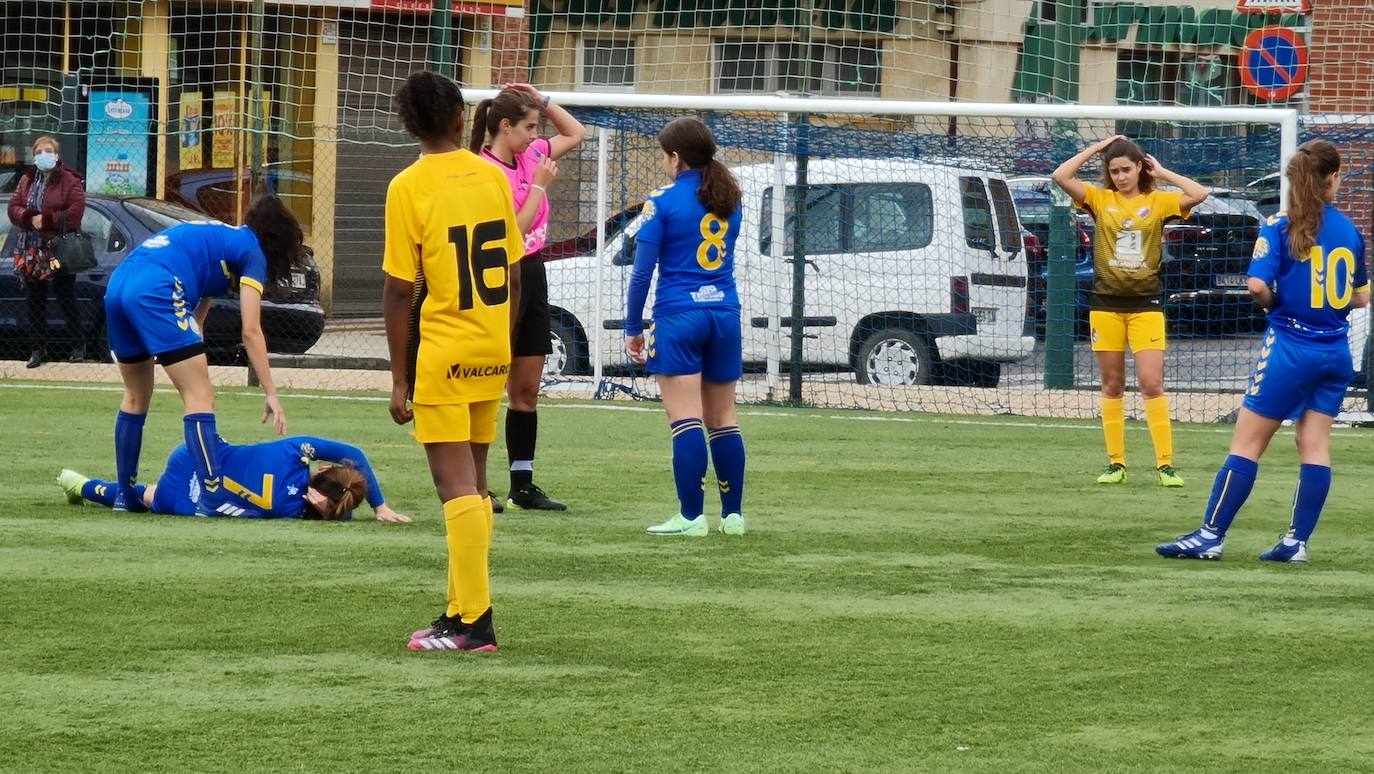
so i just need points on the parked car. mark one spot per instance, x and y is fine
(1264, 192)
(1206, 264)
(585, 243)
(292, 318)
(914, 272)
(214, 191)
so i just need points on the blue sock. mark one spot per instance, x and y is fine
(103, 492)
(203, 442)
(727, 454)
(689, 465)
(1314, 481)
(128, 437)
(1232, 485)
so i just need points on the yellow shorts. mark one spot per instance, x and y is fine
(456, 422)
(1112, 331)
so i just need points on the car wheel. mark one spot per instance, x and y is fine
(893, 357)
(981, 373)
(569, 355)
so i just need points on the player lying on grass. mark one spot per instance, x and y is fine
(1308, 272)
(271, 480)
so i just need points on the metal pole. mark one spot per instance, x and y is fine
(777, 253)
(595, 329)
(799, 195)
(258, 135)
(1060, 309)
(443, 36)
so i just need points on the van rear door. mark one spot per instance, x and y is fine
(992, 236)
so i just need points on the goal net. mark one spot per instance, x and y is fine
(899, 253)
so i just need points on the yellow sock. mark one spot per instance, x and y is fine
(468, 538)
(1114, 428)
(1161, 431)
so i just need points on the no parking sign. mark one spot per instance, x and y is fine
(1273, 64)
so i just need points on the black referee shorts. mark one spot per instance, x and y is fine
(532, 329)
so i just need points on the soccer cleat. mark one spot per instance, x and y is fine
(1168, 477)
(452, 634)
(732, 524)
(679, 525)
(497, 504)
(1294, 554)
(533, 498)
(420, 634)
(71, 483)
(127, 501)
(1193, 545)
(1114, 474)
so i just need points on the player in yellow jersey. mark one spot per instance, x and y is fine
(1127, 253)
(452, 276)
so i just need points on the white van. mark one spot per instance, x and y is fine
(914, 271)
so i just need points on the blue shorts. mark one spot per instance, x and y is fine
(697, 341)
(148, 313)
(1292, 378)
(178, 488)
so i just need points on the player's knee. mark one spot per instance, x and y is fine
(1113, 387)
(1151, 388)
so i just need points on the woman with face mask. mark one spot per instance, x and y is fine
(49, 199)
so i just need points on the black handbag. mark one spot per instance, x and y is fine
(72, 250)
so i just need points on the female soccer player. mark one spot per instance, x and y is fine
(693, 347)
(269, 480)
(154, 309)
(1127, 254)
(509, 125)
(1308, 271)
(452, 266)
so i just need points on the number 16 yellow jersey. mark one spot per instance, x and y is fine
(451, 230)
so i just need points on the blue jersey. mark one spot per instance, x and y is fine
(693, 248)
(267, 479)
(209, 258)
(1313, 296)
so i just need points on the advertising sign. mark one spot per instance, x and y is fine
(117, 146)
(190, 131)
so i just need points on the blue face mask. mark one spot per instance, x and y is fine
(45, 161)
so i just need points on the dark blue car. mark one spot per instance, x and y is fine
(292, 318)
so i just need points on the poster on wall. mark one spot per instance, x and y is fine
(190, 131)
(117, 147)
(225, 121)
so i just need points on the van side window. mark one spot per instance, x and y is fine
(891, 216)
(1008, 227)
(825, 220)
(978, 231)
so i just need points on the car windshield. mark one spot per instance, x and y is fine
(158, 215)
(1034, 207)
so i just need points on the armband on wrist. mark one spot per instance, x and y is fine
(538, 187)
(546, 102)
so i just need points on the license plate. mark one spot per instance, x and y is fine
(298, 280)
(985, 314)
(1232, 280)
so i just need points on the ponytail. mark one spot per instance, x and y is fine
(691, 140)
(1308, 193)
(479, 126)
(719, 191)
(343, 486)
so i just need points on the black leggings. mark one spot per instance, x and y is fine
(64, 288)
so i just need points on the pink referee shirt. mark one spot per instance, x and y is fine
(521, 177)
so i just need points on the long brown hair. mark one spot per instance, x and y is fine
(1308, 193)
(343, 485)
(1127, 149)
(691, 140)
(511, 105)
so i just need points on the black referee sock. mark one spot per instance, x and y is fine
(522, 428)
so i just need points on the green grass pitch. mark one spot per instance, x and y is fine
(917, 593)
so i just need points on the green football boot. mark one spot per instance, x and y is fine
(71, 483)
(1168, 476)
(679, 525)
(1114, 474)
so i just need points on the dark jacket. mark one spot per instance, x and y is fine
(65, 195)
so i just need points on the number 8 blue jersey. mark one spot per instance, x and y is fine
(1313, 296)
(693, 248)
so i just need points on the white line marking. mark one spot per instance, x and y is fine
(1028, 424)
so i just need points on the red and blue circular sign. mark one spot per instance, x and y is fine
(1273, 63)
